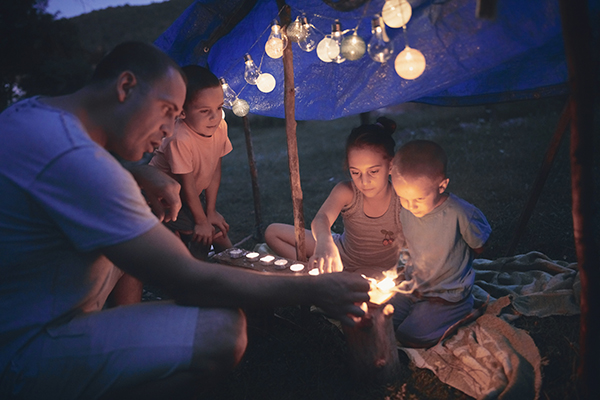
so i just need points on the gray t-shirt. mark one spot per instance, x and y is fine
(440, 246)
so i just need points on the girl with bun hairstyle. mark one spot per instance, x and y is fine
(370, 209)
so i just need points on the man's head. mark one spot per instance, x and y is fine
(145, 92)
(419, 176)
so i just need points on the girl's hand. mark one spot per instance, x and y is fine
(326, 257)
(203, 233)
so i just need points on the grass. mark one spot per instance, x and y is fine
(495, 153)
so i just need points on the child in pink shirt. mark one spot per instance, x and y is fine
(193, 157)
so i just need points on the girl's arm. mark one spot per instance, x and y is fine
(326, 255)
(214, 218)
(203, 230)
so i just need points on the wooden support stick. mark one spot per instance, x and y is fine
(372, 346)
(254, 177)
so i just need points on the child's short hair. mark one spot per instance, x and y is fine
(377, 135)
(421, 158)
(198, 78)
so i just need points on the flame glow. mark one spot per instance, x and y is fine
(382, 290)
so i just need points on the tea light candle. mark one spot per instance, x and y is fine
(252, 256)
(236, 253)
(267, 259)
(280, 263)
(296, 267)
(314, 271)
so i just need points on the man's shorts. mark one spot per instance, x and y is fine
(94, 352)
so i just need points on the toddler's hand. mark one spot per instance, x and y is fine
(203, 233)
(217, 220)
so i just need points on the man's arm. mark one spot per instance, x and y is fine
(161, 191)
(159, 258)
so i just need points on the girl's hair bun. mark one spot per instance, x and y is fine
(387, 124)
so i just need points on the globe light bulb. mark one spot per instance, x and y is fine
(326, 47)
(309, 42)
(396, 13)
(295, 30)
(251, 71)
(228, 93)
(240, 107)
(276, 43)
(265, 83)
(336, 35)
(380, 47)
(353, 47)
(410, 63)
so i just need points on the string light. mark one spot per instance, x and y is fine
(410, 63)
(251, 71)
(277, 42)
(309, 42)
(336, 35)
(325, 47)
(353, 47)
(380, 47)
(240, 107)
(396, 13)
(295, 30)
(229, 95)
(266, 83)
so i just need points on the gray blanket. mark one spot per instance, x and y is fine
(489, 358)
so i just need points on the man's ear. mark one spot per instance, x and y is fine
(443, 185)
(126, 82)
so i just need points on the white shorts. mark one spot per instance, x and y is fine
(94, 352)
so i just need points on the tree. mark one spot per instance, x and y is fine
(40, 55)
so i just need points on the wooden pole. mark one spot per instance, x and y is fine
(372, 346)
(581, 64)
(258, 236)
(538, 185)
(290, 131)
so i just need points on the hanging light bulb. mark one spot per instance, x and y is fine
(380, 47)
(295, 30)
(265, 83)
(309, 42)
(353, 47)
(410, 63)
(336, 35)
(251, 71)
(240, 107)
(326, 47)
(228, 93)
(396, 13)
(277, 42)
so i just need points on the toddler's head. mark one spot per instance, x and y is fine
(419, 176)
(203, 107)
(369, 152)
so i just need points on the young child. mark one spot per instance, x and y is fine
(372, 237)
(442, 232)
(192, 155)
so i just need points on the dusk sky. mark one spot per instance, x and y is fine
(72, 8)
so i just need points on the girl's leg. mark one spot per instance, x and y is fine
(282, 239)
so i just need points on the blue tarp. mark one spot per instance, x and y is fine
(517, 55)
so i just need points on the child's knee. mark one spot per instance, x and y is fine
(220, 347)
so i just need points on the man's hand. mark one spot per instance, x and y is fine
(161, 191)
(341, 295)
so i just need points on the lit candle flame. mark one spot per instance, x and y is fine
(382, 290)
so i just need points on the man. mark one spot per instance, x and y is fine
(70, 213)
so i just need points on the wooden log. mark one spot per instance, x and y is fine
(372, 346)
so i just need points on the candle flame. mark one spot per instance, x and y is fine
(382, 290)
